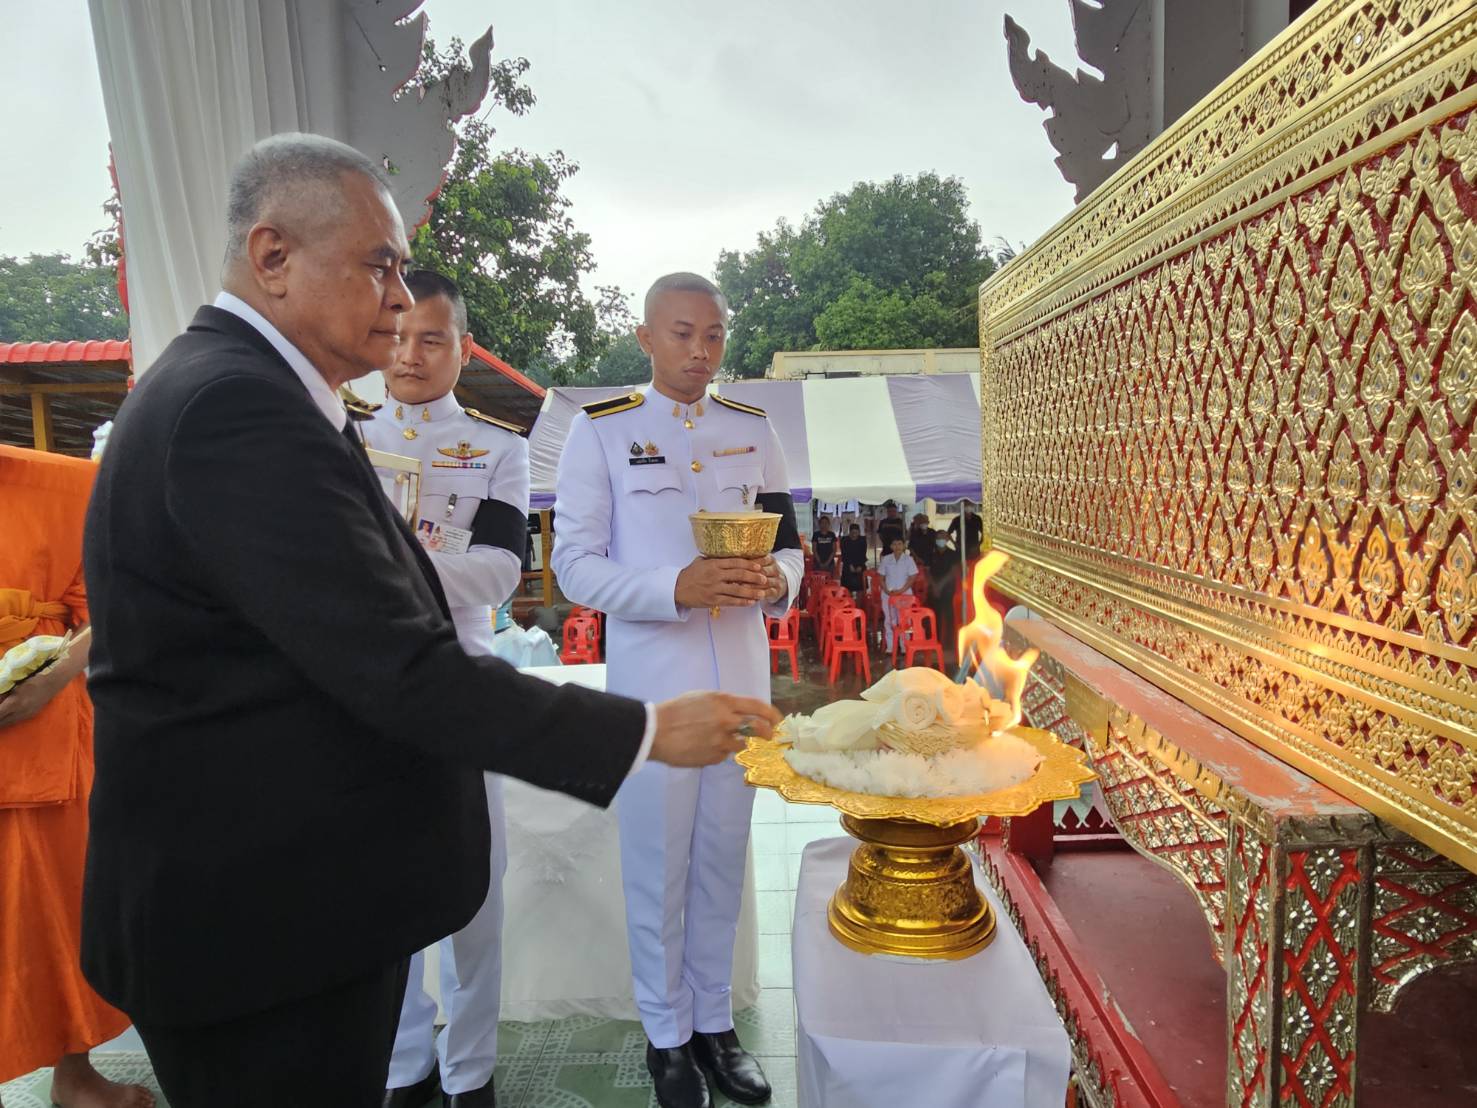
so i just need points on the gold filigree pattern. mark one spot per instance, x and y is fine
(1230, 431)
(1164, 818)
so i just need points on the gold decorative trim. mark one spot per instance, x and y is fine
(1229, 411)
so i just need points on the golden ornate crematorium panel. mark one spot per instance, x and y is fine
(1228, 410)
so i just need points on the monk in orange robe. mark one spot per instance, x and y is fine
(49, 1015)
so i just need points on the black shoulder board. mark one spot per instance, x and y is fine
(749, 409)
(504, 424)
(358, 408)
(617, 404)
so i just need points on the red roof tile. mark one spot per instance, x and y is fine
(65, 353)
(487, 357)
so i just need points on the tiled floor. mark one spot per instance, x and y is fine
(591, 1063)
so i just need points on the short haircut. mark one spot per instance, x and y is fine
(290, 165)
(425, 283)
(682, 282)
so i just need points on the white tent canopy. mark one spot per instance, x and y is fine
(865, 438)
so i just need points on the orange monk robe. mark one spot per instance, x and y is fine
(46, 1008)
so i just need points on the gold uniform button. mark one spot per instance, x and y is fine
(697, 467)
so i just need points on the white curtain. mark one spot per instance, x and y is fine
(190, 85)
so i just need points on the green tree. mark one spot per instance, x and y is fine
(887, 265)
(49, 297)
(501, 228)
(623, 363)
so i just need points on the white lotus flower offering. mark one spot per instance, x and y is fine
(913, 733)
(26, 658)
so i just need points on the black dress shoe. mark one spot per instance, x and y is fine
(735, 1071)
(414, 1096)
(484, 1097)
(678, 1079)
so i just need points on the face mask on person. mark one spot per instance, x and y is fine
(940, 543)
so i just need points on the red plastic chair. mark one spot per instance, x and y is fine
(921, 627)
(872, 600)
(784, 638)
(834, 598)
(835, 611)
(903, 602)
(920, 585)
(581, 641)
(850, 641)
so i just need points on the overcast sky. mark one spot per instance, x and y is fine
(695, 126)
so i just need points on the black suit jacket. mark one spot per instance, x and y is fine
(289, 739)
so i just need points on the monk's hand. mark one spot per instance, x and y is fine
(777, 585)
(703, 728)
(721, 583)
(26, 700)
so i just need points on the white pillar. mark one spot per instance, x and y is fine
(190, 85)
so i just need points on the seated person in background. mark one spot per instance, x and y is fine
(898, 574)
(920, 539)
(853, 558)
(823, 546)
(890, 527)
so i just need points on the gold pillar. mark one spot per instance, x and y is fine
(41, 430)
(546, 546)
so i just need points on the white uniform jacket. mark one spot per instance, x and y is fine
(474, 477)
(632, 471)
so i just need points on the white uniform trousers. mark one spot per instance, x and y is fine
(471, 987)
(684, 844)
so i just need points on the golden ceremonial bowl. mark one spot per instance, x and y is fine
(734, 534)
(909, 889)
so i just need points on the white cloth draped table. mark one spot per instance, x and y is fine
(564, 935)
(877, 1032)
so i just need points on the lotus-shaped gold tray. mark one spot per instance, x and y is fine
(909, 889)
(1060, 776)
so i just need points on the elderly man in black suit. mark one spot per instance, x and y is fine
(289, 739)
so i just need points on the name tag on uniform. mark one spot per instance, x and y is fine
(443, 537)
(659, 460)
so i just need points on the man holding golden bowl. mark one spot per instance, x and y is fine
(633, 472)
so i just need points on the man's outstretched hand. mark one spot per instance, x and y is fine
(703, 728)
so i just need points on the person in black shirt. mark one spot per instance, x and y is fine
(891, 527)
(974, 530)
(944, 573)
(853, 558)
(823, 546)
(920, 539)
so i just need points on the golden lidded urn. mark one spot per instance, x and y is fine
(909, 889)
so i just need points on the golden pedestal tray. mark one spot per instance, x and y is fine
(909, 889)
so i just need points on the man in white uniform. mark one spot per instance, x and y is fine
(632, 471)
(473, 518)
(899, 571)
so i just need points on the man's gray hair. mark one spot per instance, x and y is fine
(287, 165)
(682, 282)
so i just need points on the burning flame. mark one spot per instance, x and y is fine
(980, 643)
